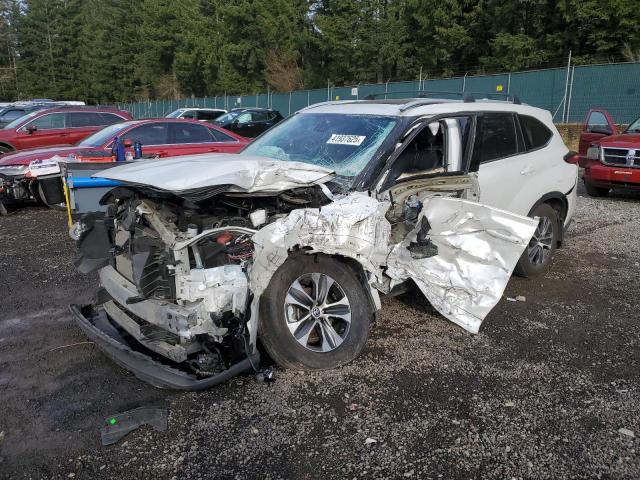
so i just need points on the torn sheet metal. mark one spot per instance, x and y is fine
(241, 173)
(478, 247)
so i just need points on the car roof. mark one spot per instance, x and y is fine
(81, 108)
(411, 107)
(252, 109)
(200, 108)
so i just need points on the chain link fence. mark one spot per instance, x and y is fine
(568, 93)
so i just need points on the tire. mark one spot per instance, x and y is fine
(594, 191)
(538, 254)
(42, 200)
(322, 347)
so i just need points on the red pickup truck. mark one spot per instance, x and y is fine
(611, 159)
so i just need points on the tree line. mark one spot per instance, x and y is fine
(105, 51)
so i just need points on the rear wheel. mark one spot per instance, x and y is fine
(315, 314)
(537, 256)
(38, 193)
(594, 191)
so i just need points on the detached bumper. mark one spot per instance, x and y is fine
(96, 325)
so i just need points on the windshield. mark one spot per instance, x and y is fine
(103, 136)
(227, 117)
(634, 127)
(20, 119)
(175, 113)
(343, 143)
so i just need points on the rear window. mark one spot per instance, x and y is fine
(218, 136)
(85, 119)
(496, 137)
(190, 133)
(536, 134)
(110, 118)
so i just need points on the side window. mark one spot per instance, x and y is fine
(496, 137)
(208, 115)
(190, 114)
(85, 119)
(597, 121)
(218, 136)
(189, 133)
(150, 134)
(244, 118)
(536, 134)
(260, 116)
(110, 118)
(48, 122)
(11, 115)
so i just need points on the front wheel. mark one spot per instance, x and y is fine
(316, 314)
(537, 256)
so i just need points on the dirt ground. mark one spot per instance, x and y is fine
(542, 392)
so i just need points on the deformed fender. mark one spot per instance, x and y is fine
(477, 249)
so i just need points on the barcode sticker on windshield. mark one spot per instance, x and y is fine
(337, 139)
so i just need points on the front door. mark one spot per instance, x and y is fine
(44, 131)
(597, 124)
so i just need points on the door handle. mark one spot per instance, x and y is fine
(527, 170)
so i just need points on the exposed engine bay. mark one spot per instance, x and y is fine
(179, 269)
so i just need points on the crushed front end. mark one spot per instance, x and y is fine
(174, 298)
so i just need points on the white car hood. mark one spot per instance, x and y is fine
(242, 173)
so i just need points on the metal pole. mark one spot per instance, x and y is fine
(289, 103)
(573, 71)
(308, 98)
(386, 89)
(509, 84)
(566, 87)
(420, 80)
(464, 81)
(328, 91)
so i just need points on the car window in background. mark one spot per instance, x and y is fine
(244, 117)
(634, 127)
(175, 113)
(218, 136)
(536, 134)
(597, 119)
(189, 114)
(227, 117)
(343, 143)
(209, 115)
(189, 133)
(103, 136)
(150, 134)
(496, 137)
(11, 115)
(84, 119)
(20, 119)
(110, 118)
(48, 121)
(260, 116)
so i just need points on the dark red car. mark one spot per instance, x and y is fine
(164, 137)
(610, 159)
(57, 126)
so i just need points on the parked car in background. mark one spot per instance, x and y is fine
(249, 122)
(610, 159)
(15, 110)
(203, 114)
(57, 126)
(158, 137)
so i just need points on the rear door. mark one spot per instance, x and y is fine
(597, 124)
(46, 130)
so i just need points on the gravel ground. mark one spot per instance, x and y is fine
(542, 392)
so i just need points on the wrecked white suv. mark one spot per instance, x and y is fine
(292, 241)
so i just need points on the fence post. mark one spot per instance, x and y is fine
(573, 71)
(289, 103)
(566, 87)
(509, 83)
(308, 94)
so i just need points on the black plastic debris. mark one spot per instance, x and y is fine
(119, 425)
(265, 375)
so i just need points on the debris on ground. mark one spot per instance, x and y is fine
(118, 426)
(627, 432)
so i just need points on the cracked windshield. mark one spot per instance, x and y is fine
(343, 143)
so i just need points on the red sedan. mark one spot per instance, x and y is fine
(159, 138)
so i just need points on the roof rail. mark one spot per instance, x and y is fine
(467, 97)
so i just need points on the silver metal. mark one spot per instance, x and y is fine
(317, 312)
(540, 244)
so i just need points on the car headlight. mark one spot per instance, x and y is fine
(13, 169)
(593, 153)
